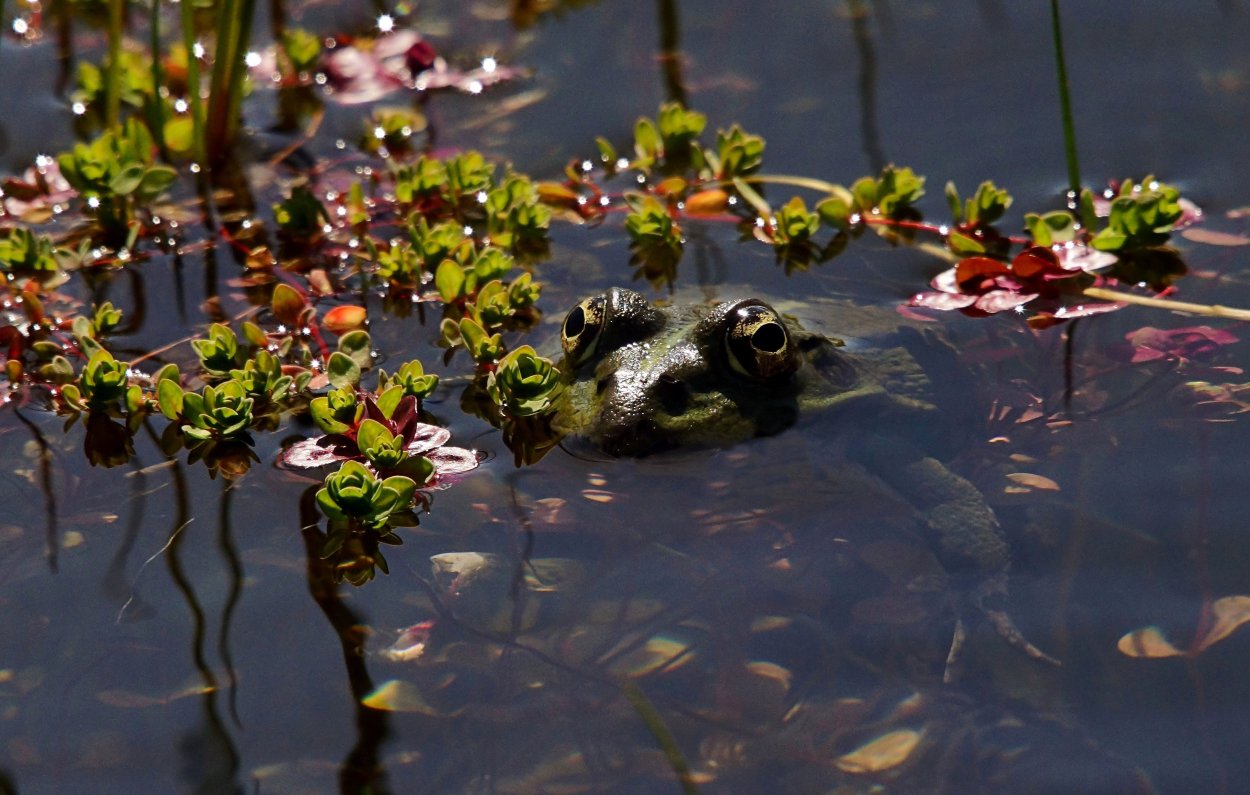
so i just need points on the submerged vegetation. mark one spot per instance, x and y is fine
(394, 225)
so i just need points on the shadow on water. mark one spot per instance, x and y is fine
(362, 771)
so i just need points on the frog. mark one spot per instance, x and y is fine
(642, 379)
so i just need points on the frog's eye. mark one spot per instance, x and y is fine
(758, 343)
(580, 333)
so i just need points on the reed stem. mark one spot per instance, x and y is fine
(1065, 104)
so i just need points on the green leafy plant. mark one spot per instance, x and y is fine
(655, 238)
(301, 216)
(102, 384)
(220, 352)
(523, 383)
(385, 451)
(337, 411)
(24, 252)
(411, 379)
(115, 175)
(1142, 214)
(356, 495)
(218, 413)
(391, 129)
(301, 48)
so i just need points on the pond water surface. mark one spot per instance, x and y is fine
(755, 616)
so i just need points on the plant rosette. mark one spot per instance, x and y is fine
(355, 494)
(387, 437)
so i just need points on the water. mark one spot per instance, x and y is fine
(777, 608)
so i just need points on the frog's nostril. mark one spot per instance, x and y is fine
(602, 384)
(672, 394)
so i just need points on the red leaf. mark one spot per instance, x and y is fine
(973, 269)
(1034, 262)
(345, 318)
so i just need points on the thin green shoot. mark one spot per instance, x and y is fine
(193, 80)
(1065, 104)
(663, 737)
(225, 100)
(156, 112)
(113, 74)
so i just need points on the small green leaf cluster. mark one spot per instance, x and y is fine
(390, 129)
(669, 141)
(793, 224)
(670, 144)
(114, 173)
(301, 216)
(385, 451)
(464, 189)
(481, 303)
(655, 238)
(890, 195)
(411, 379)
(354, 495)
(516, 219)
(337, 411)
(102, 386)
(983, 208)
(24, 252)
(221, 413)
(523, 383)
(134, 81)
(301, 48)
(1142, 215)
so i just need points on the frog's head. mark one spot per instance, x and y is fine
(641, 378)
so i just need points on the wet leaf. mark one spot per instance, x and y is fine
(342, 319)
(287, 304)
(1147, 642)
(397, 695)
(660, 652)
(1033, 481)
(887, 751)
(1230, 613)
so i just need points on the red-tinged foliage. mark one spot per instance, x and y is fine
(980, 286)
(1198, 343)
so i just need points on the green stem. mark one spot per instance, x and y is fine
(1206, 310)
(156, 111)
(1065, 103)
(112, 76)
(663, 737)
(193, 81)
(225, 100)
(811, 183)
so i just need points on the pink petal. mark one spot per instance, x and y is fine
(451, 462)
(1085, 310)
(428, 437)
(944, 301)
(1080, 258)
(1001, 300)
(946, 282)
(307, 454)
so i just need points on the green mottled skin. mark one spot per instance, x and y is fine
(667, 382)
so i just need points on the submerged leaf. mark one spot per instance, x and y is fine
(1230, 613)
(1147, 642)
(887, 751)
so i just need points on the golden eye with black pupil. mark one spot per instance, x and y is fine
(758, 344)
(580, 332)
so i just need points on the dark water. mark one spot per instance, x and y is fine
(775, 607)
